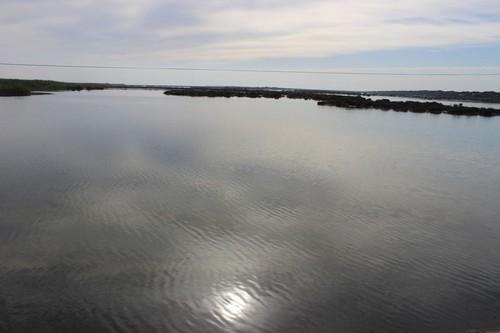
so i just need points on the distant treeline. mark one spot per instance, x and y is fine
(339, 100)
(470, 96)
(14, 91)
(15, 87)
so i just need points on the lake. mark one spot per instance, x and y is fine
(131, 211)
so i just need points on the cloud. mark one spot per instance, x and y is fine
(223, 31)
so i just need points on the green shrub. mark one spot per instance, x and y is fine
(14, 91)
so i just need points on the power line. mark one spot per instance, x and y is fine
(201, 69)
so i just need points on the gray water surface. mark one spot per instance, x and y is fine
(445, 102)
(130, 211)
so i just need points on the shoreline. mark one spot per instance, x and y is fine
(337, 100)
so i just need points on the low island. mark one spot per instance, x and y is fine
(348, 101)
(464, 96)
(343, 99)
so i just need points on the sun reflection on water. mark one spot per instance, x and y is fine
(233, 304)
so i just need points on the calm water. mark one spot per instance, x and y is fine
(136, 212)
(446, 102)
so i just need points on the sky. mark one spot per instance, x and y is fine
(410, 36)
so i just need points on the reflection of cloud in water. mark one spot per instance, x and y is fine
(157, 209)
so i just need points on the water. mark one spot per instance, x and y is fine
(130, 211)
(446, 102)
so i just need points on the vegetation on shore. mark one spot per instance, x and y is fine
(469, 96)
(10, 86)
(408, 106)
(45, 85)
(331, 99)
(14, 91)
(346, 99)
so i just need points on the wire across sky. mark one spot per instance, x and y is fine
(239, 70)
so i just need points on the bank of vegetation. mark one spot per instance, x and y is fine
(338, 100)
(23, 86)
(345, 99)
(464, 96)
(14, 90)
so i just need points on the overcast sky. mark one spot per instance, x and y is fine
(374, 35)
